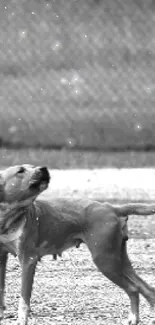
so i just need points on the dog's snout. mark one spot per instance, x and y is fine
(45, 173)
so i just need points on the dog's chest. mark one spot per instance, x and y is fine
(11, 239)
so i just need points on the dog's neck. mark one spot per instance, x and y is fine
(6, 206)
(9, 214)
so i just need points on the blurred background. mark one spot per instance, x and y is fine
(77, 82)
(77, 91)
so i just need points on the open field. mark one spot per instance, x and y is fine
(103, 184)
(71, 290)
(68, 159)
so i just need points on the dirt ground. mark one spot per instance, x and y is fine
(71, 290)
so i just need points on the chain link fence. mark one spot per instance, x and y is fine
(77, 73)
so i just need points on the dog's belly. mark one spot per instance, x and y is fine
(46, 249)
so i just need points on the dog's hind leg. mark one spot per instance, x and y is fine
(111, 266)
(112, 269)
(28, 265)
(104, 241)
(146, 290)
(3, 261)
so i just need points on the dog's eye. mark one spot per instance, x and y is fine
(21, 170)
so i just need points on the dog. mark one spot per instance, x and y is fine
(31, 228)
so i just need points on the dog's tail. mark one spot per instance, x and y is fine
(134, 208)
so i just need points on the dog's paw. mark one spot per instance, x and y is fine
(132, 319)
(21, 321)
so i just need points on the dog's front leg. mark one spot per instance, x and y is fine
(3, 260)
(28, 265)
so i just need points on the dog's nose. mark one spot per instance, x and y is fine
(44, 169)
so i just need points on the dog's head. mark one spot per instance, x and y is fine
(22, 184)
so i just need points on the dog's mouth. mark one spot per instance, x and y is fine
(40, 180)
